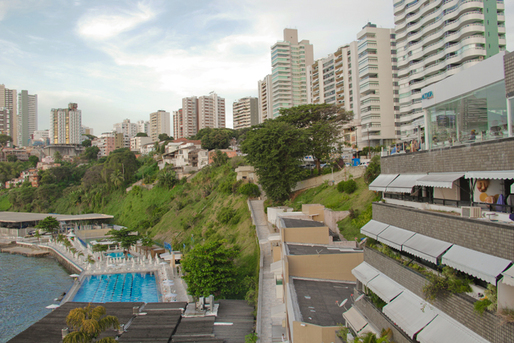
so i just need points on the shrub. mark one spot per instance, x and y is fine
(250, 189)
(225, 215)
(347, 186)
(340, 186)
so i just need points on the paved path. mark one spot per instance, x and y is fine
(268, 298)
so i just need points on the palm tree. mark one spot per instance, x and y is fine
(117, 178)
(88, 323)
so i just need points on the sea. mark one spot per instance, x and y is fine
(27, 286)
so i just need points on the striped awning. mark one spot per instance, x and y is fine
(373, 228)
(425, 247)
(381, 182)
(441, 180)
(404, 183)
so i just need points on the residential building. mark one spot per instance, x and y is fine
(121, 140)
(178, 126)
(143, 126)
(127, 128)
(66, 125)
(106, 142)
(42, 136)
(245, 112)
(8, 113)
(47, 162)
(87, 130)
(437, 39)
(228, 152)
(289, 61)
(211, 111)
(27, 117)
(265, 99)
(159, 123)
(137, 143)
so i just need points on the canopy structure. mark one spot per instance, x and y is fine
(508, 276)
(373, 228)
(365, 272)
(355, 320)
(444, 329)
(425, 247)
(404, 183)
(395, 237)
(496, 174)
(441, 180)
(483, 266)
(381, 182)
(385, 288)
(410, 313)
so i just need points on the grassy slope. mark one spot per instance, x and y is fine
(358, 202)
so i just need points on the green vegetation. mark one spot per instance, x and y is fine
(125, 238)
(373, 170)
(88, 323)
(49, 224)
(442, 285)
(349, 186)
(215, 138)
(489, 302)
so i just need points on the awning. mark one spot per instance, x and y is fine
(425, 247)
(385, 288)
(381, 182)
(508, 276)
(444, 329)
(441, 180)
(404, 183)
(355, 320)
(483, 266)
(410, 313)
(394, 237)
(373, 228)
(365, 272)
(497, 174)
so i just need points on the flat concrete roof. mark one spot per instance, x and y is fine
(21, 217)
(317, 300)
(300, 249)
(290, 222)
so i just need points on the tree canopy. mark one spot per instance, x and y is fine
(275, 149)
(88, 323)
(86, 142)
(124, 237)
(49, 224)
(214, 138)
(209, 269)
(4, 139)
(91, 153)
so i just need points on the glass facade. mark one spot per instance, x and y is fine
(477, 116)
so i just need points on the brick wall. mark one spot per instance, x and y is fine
(487, 237)
(459, 307)
(508, 61)
(490, 155)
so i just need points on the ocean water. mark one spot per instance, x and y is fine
(27, 286)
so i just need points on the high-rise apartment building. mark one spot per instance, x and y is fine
(265, 99)
(437, 39)
(289, 61)
(66, 125)
(159, 123)
(9, 108)
(143, 126)
(27, 117)
(126, 128)
(245, 112)
(198, 113)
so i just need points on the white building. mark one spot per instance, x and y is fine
(42, 136)
(211, 111)
(66, 125)
(27, 117)
(437, 39)
(143, 126)
(245, 112)
(159, 123)
(9, 110)
(127, 128)
(265, 99)
(137, 143)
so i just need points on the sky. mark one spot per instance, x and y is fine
(123, 59)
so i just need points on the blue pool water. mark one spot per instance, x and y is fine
(118, 254)
(126, 287)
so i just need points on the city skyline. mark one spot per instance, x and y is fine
(125, 61)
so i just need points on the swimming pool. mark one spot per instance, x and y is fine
(118, 254)
(126, 287)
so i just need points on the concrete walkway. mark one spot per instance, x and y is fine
(268, 331)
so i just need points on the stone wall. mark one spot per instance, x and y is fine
(488, 237)
(486, 156)
(459, 307)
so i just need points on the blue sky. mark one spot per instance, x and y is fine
(126, 59)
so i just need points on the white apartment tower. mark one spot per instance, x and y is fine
(127, 128)
(143, 126)
(211, 111)
(265, 104)
(245, 112)
(27, 117)
(9, 111)
(66, 125)
(437, 39)
(289, 61)
(159, 123)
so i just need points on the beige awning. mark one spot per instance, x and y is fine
(365, 272)
(444, 329)
(425, 247)
(441, 180)
(381, 182)
(386, 288)
(395, 237)
(355, 320)
(404, 183)
(373, 228)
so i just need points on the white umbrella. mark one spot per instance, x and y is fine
(74, 275)
(53, 306)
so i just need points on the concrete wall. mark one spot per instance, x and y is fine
(486, 156)
(311, 235)
(277, 253)
(488, 237)
(332, 217)
(309, 333)
(327, 266)
(344, 174)
(315, 210)
(459, 307)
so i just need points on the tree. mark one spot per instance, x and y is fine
(163, 137)
(124, 237)
(49, 224)
(91, 153)
(214, 138)
(12, 158)
(147, 242)
(275, 149)
(86, 143)
(209, 269)
(33, 160)
(322, 123)
(167, 179)
(88, 323)
(219, 158)
(4, 139)
(373, 170)
(116, 178)
(141, 134)
(57, 156)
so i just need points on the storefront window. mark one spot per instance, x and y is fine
(477, 116)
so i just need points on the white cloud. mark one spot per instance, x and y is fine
(104, 26)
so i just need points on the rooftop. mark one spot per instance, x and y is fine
(319, 300)
(22, 217)
(302, 249)
(290, 222)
